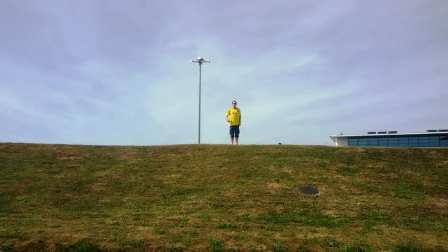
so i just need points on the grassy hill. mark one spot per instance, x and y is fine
(217, 197)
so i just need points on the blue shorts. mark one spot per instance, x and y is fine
(235, 131)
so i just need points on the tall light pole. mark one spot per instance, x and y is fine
(200, 61)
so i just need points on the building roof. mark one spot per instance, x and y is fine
(393, 134)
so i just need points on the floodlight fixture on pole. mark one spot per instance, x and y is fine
(200, 61)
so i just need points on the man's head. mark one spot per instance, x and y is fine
(234, 103)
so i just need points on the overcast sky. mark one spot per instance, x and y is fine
(120, 72)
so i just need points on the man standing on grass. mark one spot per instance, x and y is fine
(233, 117)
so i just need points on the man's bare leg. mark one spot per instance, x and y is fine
(231, 140)
(236, 140)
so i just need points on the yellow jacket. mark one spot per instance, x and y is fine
(233, 116)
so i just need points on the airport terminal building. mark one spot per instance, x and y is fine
(430, 138)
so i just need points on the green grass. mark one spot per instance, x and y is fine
(278, 247)
(220, 198)
(216, 245)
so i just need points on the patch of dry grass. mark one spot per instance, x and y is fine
(212, 197)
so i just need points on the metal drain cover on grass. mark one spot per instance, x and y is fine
(309, 190)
